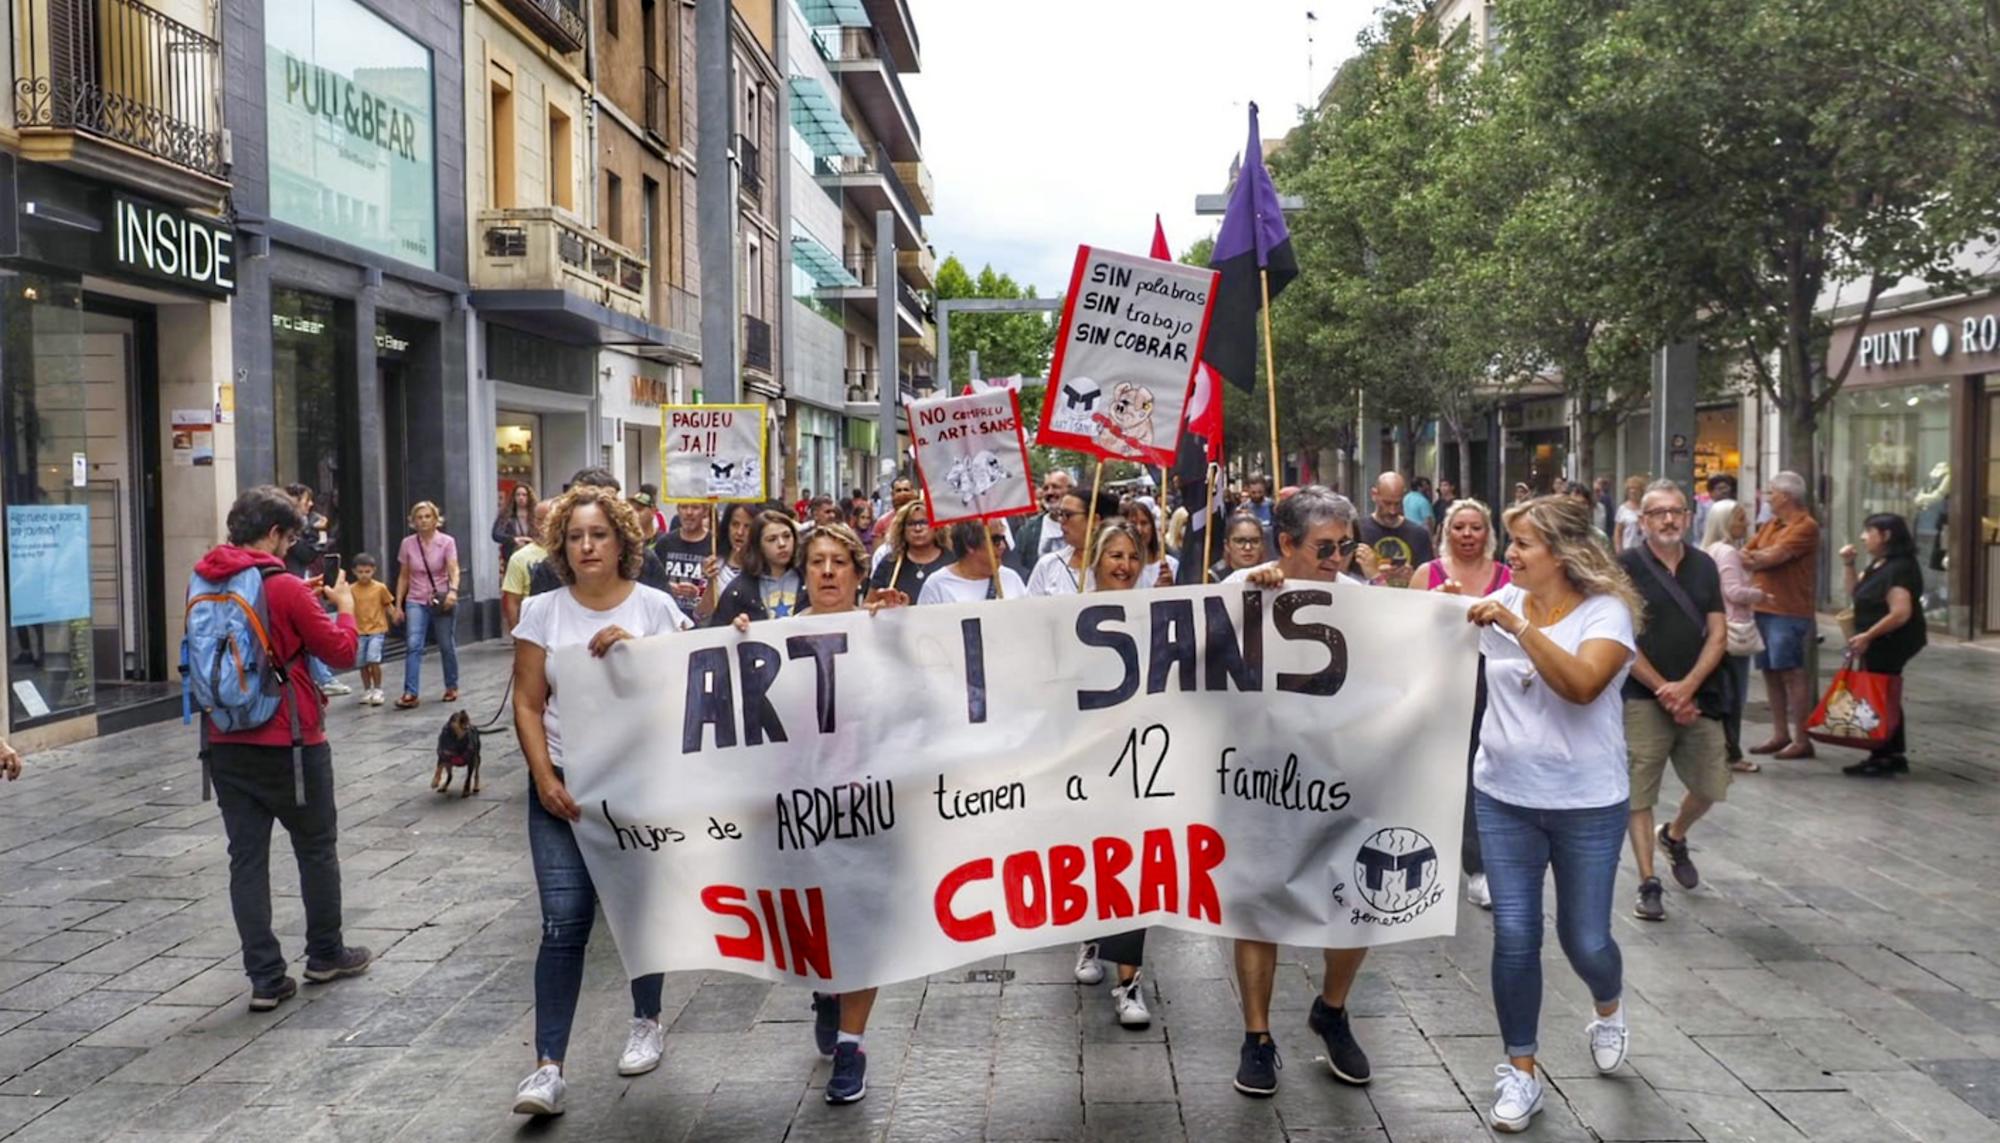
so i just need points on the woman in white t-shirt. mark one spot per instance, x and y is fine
(597, 548)
(1550, 780)
(972, 577)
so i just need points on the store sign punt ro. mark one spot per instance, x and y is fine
(1970, 336)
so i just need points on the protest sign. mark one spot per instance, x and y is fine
(1131, 334)
(972, 456)
(852, 800)
(48, 555)
(712, 452)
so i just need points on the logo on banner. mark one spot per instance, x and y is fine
(971, 476)
(1396, 870)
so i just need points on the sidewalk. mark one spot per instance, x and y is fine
(1836, 977)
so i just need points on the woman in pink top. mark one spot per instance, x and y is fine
(427, 591)
(1722, 539)
(1466, 566)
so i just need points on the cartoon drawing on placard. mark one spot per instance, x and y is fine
(1127, 427)
(1075, 405)
(971, 476)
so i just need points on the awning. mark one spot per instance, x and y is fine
(816, 115)
(562, 316)
(823, 264)
(834, 13)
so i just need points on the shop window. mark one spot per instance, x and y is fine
(48, 517)
(312, 395)
(1892, 453)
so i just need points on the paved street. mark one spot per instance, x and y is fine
(1835, 978)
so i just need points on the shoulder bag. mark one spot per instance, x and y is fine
(438, 602)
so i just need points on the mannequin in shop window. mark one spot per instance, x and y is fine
(1933, 506)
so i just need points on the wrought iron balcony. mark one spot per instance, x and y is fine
(118, 71)
(751, 163)
(560, 22)
(756, 343)
(538, 248)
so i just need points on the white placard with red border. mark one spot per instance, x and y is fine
(972, 456)
(1131, 336)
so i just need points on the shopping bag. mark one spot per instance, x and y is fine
(1861, 709)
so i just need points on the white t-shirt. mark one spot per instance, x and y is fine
(555, 619)
(1149, 576)
(1536, 749)
(1054, 576)
(947, 586)
(1629, 516)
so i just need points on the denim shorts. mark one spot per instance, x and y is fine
(371, 650)
(1785, 639)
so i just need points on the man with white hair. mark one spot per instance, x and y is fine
(1783, 559)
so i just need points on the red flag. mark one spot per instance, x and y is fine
(1160, 249)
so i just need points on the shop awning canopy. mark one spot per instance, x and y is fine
(562, 316)
(823, 264)
(834, 13)
(816, 115)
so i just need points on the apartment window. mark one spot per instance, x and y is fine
(611, 16)
(649, 219)
(753, 277)
(614, 207)
(500, 138)
(562, 168)
(649, 23)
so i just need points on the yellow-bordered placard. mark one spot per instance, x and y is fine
(712, 453)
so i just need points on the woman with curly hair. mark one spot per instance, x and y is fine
(1551, 781)
(596, 548)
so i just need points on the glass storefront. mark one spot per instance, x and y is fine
(48, 513)
(1718, 443)
(1989, 516)
(1891, 452)
(312, 390)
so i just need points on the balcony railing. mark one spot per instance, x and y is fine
(656, 105)
(913, 301)
(120, 71)
(861, 385)
(560, 22)
(539, 248)
(756, 343)
(752, 166)
(861, 264)
(868, 44)
(877, 162)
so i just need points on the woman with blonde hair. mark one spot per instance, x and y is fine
(427, 595)
(1465, 564)
(1722, 537)
(1551, 782)
(1625, 523)
(911, 551)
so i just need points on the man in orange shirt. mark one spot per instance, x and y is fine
(1784, 560)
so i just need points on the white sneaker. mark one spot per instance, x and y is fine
(541, 1093)
(1129, 1001)
(336, 689)
(1517, 1096)
(375, 697)
(1477, 892)
(1088, 971)
(1609, 1038)
(642, 1047)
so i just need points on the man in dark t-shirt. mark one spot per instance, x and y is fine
(682, 548)
(1401, 544)
(1674, 697)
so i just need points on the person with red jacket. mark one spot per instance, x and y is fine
(253, 769)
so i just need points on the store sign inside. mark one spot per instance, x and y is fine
(181, 248)
(1969, 337)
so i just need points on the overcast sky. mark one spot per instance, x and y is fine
(1050, 123)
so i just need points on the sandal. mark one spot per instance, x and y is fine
(407, 702)
(1745, 766)
(451, 694)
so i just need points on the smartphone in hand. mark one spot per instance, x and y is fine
(329, 568)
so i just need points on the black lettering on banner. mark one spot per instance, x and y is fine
(1129, 759)
(821, 649)
(1090, 632)
(641, 836)
(975, 670)
(1173, 642)
(710, 700)
(1073, 789)
(1329, 679)
(759, 664)
(1226, 661)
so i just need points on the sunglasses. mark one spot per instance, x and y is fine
(1068, 513)
(1325, 548)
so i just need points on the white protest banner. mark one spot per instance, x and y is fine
(712, 452)
(1131, 335)
(978, 451)
(855, 799)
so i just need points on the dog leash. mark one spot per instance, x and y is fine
(492, 725)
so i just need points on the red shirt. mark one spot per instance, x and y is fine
(299, 627)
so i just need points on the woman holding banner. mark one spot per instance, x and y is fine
(769, 585)
(1550, 782)
(596, 548)
(1242, 547)
(977, 574)
(912, 553)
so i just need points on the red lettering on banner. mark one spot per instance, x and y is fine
(1205, 852)
(1027, 892)
(729, 901)
(1114, 855)
(1159, 888)
(977, 927)
(771, 923)
(1042, 890)
(1068, 901)
(804, 927)
(808, 937)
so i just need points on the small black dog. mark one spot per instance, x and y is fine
(458, 745)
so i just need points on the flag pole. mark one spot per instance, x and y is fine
(1089, 527)
(1208, 532)
(999, 592)
(1271, 379)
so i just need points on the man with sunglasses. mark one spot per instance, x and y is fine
(1062, 571)
(1315, 528)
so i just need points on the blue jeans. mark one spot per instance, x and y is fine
(423, 621)
(569, 905)
(1519, 846)
(1785, 638)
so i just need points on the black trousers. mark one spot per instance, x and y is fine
(1468, 847)
(1882, 661)
(253, 787)
(1125, 948)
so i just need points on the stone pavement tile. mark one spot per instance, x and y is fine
(473, 1024)
(69, 1071)
(1955, 1010)
(183, 1059)
(1471, 1064)
(1217, 1111)
(15, 972)
(1694, 1070)
(1741, 1118)
(329, 1076)
(1914, 1035)
(747, 1111)
(1392, 1041)
(1429, 1088)
(1759, 992)
(22, 1049)
(955, 1014)
(267, 1121)
(1837, 1045)
(1624, 1107)
(144, 1027)
(51, 990)
(1915, 1103)
(1973, 972)
(1835, 1117)
(1767, 1063)
(425, 943)
(1042, 1001)
(1836, 986)
(1448, 1011)
(16, 1110)
(11, 1019)
(457, 975)
(361, 1125)
(160, 974)
(96, 1113)
(1977, 1082)
(1126, 1073)
(89, 1012)
(1691, 1005)
(1883, 968)
(218, 984)
(399, 1023)
(1464, 1126)
(271, 1055)
(1133, 1122)
(1021, 1106)
(198, 1107)
(62, 946)
(721, 1008)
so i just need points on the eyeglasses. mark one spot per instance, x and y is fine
(1068, 513)
(1246, 541)
(1664, 513)
(1325, 548)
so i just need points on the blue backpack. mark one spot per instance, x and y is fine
(229, 667)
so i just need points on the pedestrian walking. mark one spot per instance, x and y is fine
(518, 581)
(910, 552)
(1399, 543)
(304, 560)
(427, 594)
(1728, 526)
(1065, 570)
(1161, 569)
(684, 548)
(279, 769)
(974, 575)
(1675, 696)
(597, 549)
(1041, 533)
(652, 573)
(514, 528)
(1417, 506)
(1781, 558)
(374, 610)
(1625, 532)
(1889, 626)
(769, 585)
(1242, 547)
(1316, 539)
(1718, 487)
(1551, 781)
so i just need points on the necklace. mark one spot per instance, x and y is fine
(1552, 615)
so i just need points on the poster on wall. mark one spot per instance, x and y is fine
(193, 438)
(350, 127)
(1131, 336)
(972, 456)
(48, 563)
(712, 452)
